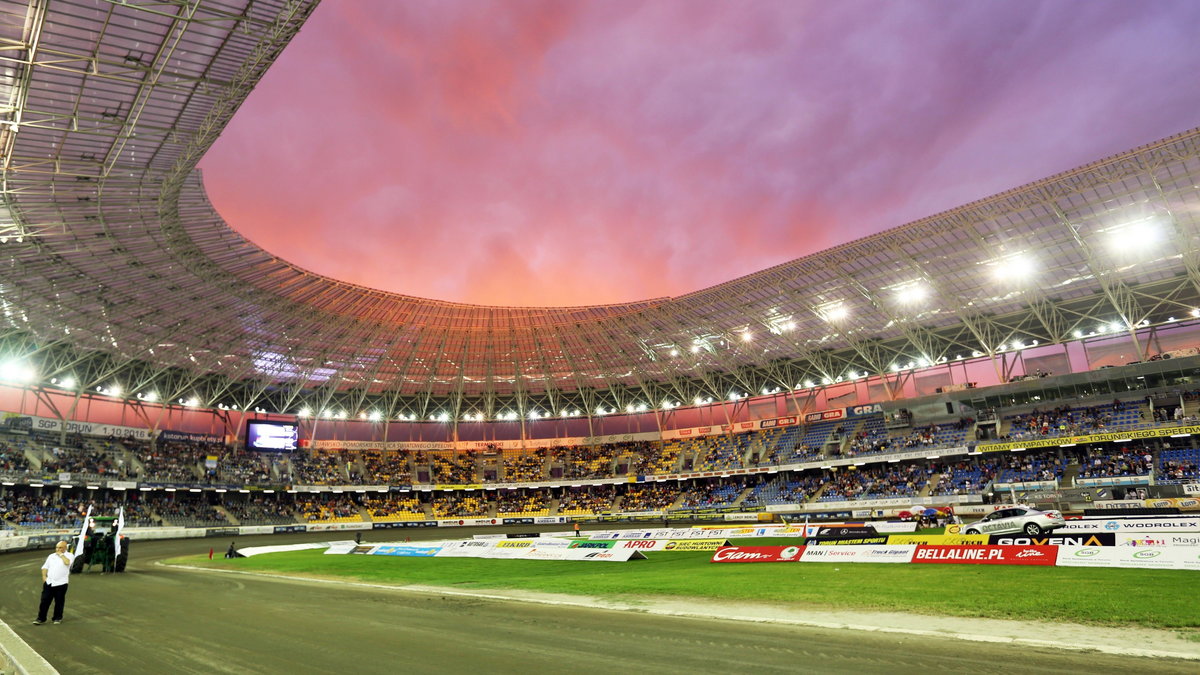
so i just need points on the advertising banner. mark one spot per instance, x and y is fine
(406, 550)
(987, 555)
(590, 555)
(825, 415)
(1158, 539)
(1131, 525)
(757, 554)
(1078, 539)
(1191, 489)
(693, 545)
(848, 541)
(1161, 432)
(1182, 558)
(471, 548)
(608, 543)
(859, 554)
(939, 539)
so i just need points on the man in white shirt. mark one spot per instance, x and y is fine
(56, 571)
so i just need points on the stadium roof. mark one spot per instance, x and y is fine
(117, 269)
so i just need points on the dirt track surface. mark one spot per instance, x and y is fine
(156, 619)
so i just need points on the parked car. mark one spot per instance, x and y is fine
(1017, 519)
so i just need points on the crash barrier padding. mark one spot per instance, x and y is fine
(1162, 557)
(1130, 511)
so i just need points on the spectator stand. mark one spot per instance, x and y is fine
(1178, 466)
(587, 501)
(394, 508)
(522, 503)
(1105, 465)
(1030, 469)
(785, 489)
(458, 504)
(711, 494)
(330, 507)
(387, 468)
(655, 497)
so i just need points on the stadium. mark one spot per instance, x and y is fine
(1040, 346)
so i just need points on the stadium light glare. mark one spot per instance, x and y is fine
(674, 352)
(193, 402)
(1196, 312)
(747, 336)
(698, 401)
(341, 414)
(17, 371)
(304, 412)
(1016, 268)
(374, 416)
(912, 293)
(1135, 238)
(809, 384)
(695, 349)
(152, 396)
(834, 312)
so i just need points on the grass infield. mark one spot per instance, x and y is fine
(1112, 597)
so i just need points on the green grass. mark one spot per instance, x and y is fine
(1114, 597)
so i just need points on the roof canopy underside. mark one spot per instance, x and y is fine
(115, 264)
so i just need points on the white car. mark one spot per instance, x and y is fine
(1017, 519)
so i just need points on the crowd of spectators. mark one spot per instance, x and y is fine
(525, 467)
(655, 458)
(394, 508)
(44, 512)
(587, 461)
(391, 468)
(12, 460)
(656, 497)
(965, 477)
(454, 469)
(260, 511)
(319, 468)
(174, 462)
(459, 506)
(189, 513)
(786, 489)
(579, 501)
(523, 502)
(710, 495)
(1032, 466)
(1110, 463)
(876, 482)
(329, 507)
(241, 467)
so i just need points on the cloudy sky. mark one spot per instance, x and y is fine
(577, 153)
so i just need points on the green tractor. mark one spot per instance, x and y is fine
(100, 546)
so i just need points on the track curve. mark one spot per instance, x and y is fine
(155, 619)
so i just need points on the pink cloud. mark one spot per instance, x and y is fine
(550, 153)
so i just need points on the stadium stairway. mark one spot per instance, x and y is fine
(742, 497)
(1070, 473)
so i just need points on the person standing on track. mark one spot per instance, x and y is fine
(56, 571)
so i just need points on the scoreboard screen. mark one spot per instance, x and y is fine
(272, 436)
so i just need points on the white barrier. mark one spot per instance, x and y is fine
(1182, 558)
(1132, 525)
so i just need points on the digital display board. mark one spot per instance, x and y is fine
(272, 436)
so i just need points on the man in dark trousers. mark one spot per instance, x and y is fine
(56, 571)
